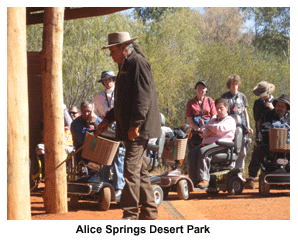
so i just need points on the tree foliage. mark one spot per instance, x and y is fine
(148, 14)
(272, 29)
(182, 47)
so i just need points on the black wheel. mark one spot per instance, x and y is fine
(182, 189)
(104, 199)
(158, 194)
(264, 188)
(74, 199)
(235, 185)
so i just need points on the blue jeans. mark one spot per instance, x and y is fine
(118, 164)
(200, 121)
(118, 179)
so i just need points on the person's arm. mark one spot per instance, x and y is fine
(192, 124)
(250, 130)
(78, 131)
(225, 126)
(141, 77)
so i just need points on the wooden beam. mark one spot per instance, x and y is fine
(73, 13)
(18, 188)
(55, 193)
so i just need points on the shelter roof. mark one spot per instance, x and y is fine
(35, 14)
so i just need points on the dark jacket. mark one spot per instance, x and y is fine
(271, 117)
(259, 109)
(135, 100)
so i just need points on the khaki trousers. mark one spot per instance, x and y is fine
(137, 191)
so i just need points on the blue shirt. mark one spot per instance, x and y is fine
(78, 130)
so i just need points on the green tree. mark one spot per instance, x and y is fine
(272, 29)
(172, 52)
(148, 14)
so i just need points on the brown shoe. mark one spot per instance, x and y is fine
(203, 184)
(250, 183)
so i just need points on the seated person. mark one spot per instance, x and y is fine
(279, 113)
(221, 127)
(74, 112)
(87, 122)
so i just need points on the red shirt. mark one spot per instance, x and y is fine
(193, 108)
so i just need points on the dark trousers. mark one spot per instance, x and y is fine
(259, 153)
(199, 163)
(137, 190)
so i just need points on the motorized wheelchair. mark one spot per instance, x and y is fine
(275, 167)
(88, 184)
(223, 175)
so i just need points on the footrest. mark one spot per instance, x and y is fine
(79, 188)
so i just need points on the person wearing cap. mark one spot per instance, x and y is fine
(262, 104)
(238, 105)
(103, 102)
(137, 119)
(281, 114)
(199, 111)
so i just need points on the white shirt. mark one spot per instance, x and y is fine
(104, 101)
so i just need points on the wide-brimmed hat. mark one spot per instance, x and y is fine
(283, 98)
(119, 38)
(201, 82)
(107, 74)
(263, 88)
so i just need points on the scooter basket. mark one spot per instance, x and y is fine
(177, 152)
(278, 140)
(99, 150)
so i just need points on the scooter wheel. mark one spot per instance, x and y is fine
(74, 200)
(104, 199)
(182, 189)
(235, 185)
(264, 188)
(158, 194)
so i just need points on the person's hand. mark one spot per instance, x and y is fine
(133, 133)
(269, 105)
(102, 127)
(250, 131)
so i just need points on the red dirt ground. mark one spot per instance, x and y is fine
(200, 206)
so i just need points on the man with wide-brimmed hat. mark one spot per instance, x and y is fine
(137, 120)
(279, 115)
(264, 90)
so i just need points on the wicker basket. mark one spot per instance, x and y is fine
(99, 150)
(176, 153)
(278, 140)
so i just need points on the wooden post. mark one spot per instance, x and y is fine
(55, 194)
(18, 188)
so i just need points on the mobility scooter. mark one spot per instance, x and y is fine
(275, 167)
(223, 176)
(87, 184)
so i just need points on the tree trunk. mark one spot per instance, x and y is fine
(55, 194)
(18, 188)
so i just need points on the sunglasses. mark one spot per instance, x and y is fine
(73, 113)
